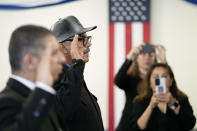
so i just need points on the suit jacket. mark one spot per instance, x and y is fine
(77, 105)
(25, 110)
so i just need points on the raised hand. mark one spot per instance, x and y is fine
(166, 98)
(75, 52)
(44, 74)
(154, 101)
(132, 55)
(161, 53)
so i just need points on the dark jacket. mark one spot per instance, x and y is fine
(25, 110)
(158, 121)
(77, 106)
(129, 84)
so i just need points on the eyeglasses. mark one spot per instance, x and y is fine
(85, 40)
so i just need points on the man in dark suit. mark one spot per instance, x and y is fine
(26, 104)
(78, 106)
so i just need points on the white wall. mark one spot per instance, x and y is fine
(174, 24)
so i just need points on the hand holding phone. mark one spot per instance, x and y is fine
(160, 85)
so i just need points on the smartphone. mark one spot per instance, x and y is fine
(148, 49)
(160, 85)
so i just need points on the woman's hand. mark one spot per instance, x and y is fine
(170, 100)
(161, 53)
(132, 55)
(166, 98)
(143, 120)
(154, 101)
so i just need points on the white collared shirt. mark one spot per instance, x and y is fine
(29, 84)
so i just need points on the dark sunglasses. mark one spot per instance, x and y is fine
(83, 39)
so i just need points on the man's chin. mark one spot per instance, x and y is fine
(55, 77)
(86, 58)
(86, 61)
(57, 74)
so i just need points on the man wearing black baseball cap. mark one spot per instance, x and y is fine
(77, 106)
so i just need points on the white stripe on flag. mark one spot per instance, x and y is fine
(119, 43)
(137, 33)
(119, 57)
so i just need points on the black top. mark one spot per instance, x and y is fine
(129, 84)
(24, 110)
(158, 121)
(77, 106)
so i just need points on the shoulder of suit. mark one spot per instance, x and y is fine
(9, 95)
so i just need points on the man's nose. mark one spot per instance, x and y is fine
(89, 44)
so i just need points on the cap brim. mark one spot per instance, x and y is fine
(84, 30)
(87, 29)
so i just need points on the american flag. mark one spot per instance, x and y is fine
(129, 26)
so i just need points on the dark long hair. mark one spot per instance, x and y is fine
(147, 91)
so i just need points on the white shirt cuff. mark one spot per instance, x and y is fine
(45, 87)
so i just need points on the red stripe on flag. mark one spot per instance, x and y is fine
(111, 78)
(146, 28)
(128, 38)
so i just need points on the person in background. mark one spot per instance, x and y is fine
(77, 105)
(132, 73)
(27, 102)
(147, 115)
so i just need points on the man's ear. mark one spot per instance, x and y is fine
(64, 48)
(30, 61)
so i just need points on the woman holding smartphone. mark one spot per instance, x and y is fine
(147, 114)
(132, 73)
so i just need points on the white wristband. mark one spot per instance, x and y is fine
(45, 87)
